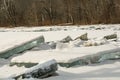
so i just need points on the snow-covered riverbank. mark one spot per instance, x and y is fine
(64, 52)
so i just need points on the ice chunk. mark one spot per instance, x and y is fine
(112, 36)
(61, 45)
(110, 56)
(22, 47)
(42, 46)
(52, 44)
(66, 39)
(41, 70)
(94, 42)
(83, 37)
(76, 43)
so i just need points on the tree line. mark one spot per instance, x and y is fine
(15, 13)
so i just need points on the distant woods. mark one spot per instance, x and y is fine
(58, 12)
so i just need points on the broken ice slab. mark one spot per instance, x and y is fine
(112, 36)
(92, 59)
(66, 39)
(69, 58)
(42, 70)
(112, 54)
(21, 47)
(83, 37)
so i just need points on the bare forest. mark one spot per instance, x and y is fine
(15, 13)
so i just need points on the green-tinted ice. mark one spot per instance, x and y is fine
(22, 47)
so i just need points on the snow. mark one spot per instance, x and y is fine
(7, 72)
(65, 52)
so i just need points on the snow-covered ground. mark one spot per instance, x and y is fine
(64, 52)
(64, 28)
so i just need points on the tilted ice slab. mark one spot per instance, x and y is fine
(13, 43)
(67, 56)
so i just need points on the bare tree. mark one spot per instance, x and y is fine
(53, 12)
(10, 11)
